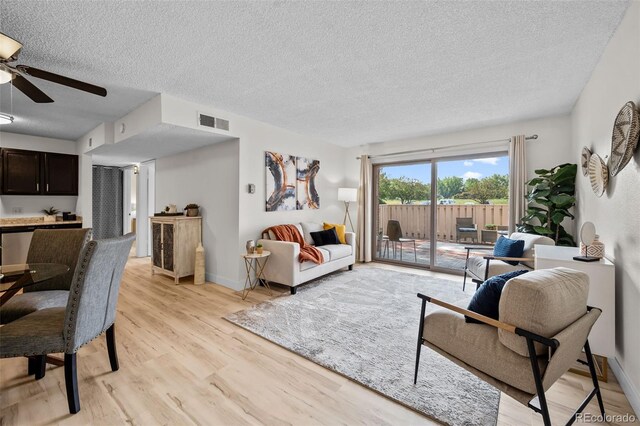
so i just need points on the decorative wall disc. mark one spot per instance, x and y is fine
(584, 160)
(598, 174)
(624, 140)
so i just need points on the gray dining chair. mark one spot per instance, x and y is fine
(90, 311)
(394, 232)
(48, 246)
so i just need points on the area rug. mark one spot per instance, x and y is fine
(363, 324)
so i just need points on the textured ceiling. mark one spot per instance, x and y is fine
(347, 72)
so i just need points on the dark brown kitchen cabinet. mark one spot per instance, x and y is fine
(38, 173)
(20, 172)
(60, 174)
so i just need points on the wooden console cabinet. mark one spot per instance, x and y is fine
(175, 239)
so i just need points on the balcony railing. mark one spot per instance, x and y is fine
(415, 220)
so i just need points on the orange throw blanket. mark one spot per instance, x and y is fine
(291, 234)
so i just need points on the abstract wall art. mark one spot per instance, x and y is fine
(280, 178)
(307, 192)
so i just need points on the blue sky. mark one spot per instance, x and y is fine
(477, 168)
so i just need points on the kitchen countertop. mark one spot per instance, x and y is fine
(35, 221)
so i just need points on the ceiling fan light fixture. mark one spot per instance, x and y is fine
(8, 46)
(5, 118)
(5, 76)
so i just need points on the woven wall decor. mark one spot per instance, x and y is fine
(626, 130)
(598, 174)
(584, 160)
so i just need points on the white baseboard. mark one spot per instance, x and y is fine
(227, 282)
(627, 385)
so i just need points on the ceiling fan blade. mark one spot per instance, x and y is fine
(29, 89)
(65, 81)
(8, 47)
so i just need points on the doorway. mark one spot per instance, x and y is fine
(123, 200)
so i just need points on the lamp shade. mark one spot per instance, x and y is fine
(347, 194)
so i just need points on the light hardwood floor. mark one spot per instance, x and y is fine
(181, 363)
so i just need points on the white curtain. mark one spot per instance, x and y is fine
(364, 210)
(517, 180)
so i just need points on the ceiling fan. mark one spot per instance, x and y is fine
(9, 51)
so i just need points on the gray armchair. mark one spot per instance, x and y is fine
(465, 228)
(48, 246)
(480, 268)
(530, 346)
(90, 311)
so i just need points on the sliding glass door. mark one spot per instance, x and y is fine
(472, 207)
(429, 211)
(402, 222)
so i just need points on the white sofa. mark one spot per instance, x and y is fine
(284, 268)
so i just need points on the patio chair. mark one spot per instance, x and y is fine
(480, 268)
(465, 228)
(394, 231)
(530, 346)
(383, 245)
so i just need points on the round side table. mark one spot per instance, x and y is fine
(252, 264)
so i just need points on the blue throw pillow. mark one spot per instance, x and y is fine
(486, 300)
(506, 247)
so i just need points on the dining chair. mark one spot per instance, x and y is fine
(90, 311)
(48, 246)
(394, 232)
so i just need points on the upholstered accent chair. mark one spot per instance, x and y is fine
(48, 246)
(90, 311)
(465, 228)
(394, 233)
(543, 326)
(480, 268)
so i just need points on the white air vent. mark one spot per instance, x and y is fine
(222, 124)
(213, 122)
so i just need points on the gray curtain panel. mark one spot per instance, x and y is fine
(107, 202)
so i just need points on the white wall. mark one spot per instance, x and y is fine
(32, 205)
(255, 139)
(224, 264)
(208, 177)
(615, 81)
(552, 147)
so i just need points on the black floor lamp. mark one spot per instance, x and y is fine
(347, 195)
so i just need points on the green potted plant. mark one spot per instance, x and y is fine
(550, 197)
(50, 214)
(259, 248)
(490, 226)
(192, 209)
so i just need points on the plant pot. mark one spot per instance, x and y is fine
(50, 218)
(259, 250)
(193, 212)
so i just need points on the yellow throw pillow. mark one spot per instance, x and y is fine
(340, 230)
